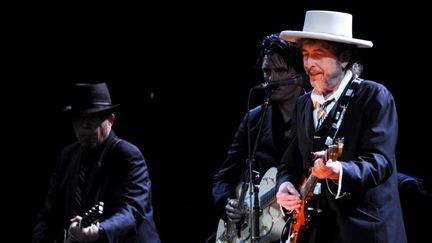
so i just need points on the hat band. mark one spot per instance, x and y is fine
(100, 103)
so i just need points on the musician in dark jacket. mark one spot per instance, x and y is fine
(278, 60)
(356, 198)
(99, 167)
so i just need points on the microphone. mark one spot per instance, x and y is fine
(299, 79)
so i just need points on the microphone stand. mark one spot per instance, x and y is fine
(255, 177)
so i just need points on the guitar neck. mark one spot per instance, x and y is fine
(333, 152)
(92, 215)
(308, 186)
(268, 197)
(242, 197)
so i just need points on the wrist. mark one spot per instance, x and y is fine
(101, 233)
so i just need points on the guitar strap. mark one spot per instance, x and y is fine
(341, 109)
(108, 148)
(343, 103)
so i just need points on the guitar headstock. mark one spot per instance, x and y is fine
(334, 151)
(93, 215)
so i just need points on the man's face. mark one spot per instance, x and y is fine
(92, 129)
(322, 66)
(274, 68)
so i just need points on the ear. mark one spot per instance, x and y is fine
(111, 118)
(344, 64)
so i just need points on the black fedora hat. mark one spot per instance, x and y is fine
(87, 98)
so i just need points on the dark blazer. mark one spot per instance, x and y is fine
(370, 209)
(269, 150)
(120, 179)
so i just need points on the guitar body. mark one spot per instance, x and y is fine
(271, 219)
(298, 223)
(300, 219)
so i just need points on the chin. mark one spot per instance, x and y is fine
(276, 98)
(86, 143)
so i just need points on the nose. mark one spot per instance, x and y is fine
(308, 62)
(86, 122)
(271, 76)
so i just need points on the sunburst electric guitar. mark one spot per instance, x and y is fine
(271, 220)
(299, 219)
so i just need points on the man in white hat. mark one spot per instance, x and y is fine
(351, 194)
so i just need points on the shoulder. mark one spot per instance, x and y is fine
(124, 147)
(372, 86)
(256, 112)
(372, 89)
(304, 98)
(253, 113)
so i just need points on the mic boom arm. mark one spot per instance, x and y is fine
(299, 79)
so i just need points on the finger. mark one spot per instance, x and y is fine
(76, 219)
(230, 208)
(318, 163)
(316, 171)
(290, 199)
(234, 217)
(293, 191)
(291, 205)
(318, 154)
(233, 203)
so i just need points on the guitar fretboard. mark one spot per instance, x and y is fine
(309, 185)
(268, 197)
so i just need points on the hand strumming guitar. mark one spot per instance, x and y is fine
(288, 196)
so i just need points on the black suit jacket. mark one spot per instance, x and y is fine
(370, 209)
(119, 178)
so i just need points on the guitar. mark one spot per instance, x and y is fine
(271, 219)
(92, 216)
(300, 218)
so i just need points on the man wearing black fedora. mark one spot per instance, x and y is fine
(100, 190)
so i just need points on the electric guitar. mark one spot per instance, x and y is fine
(300, 218)
(92, 216)
(271, 220)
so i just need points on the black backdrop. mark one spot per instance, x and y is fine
(181, 74)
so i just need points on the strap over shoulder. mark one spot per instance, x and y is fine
(341, 109)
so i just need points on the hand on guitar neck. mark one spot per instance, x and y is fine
(85, 228)
(302, 203)
(326, 165)
(234, 211)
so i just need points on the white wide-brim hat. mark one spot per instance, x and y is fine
(326, 25)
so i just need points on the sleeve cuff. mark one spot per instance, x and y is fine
(339, 189)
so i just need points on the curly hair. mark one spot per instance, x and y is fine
(272, 44)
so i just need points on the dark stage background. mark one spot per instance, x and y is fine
(181, 74)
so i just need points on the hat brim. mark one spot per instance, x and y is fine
(294, 36)
(90, 110)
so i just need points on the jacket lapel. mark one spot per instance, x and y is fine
(308, 119)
